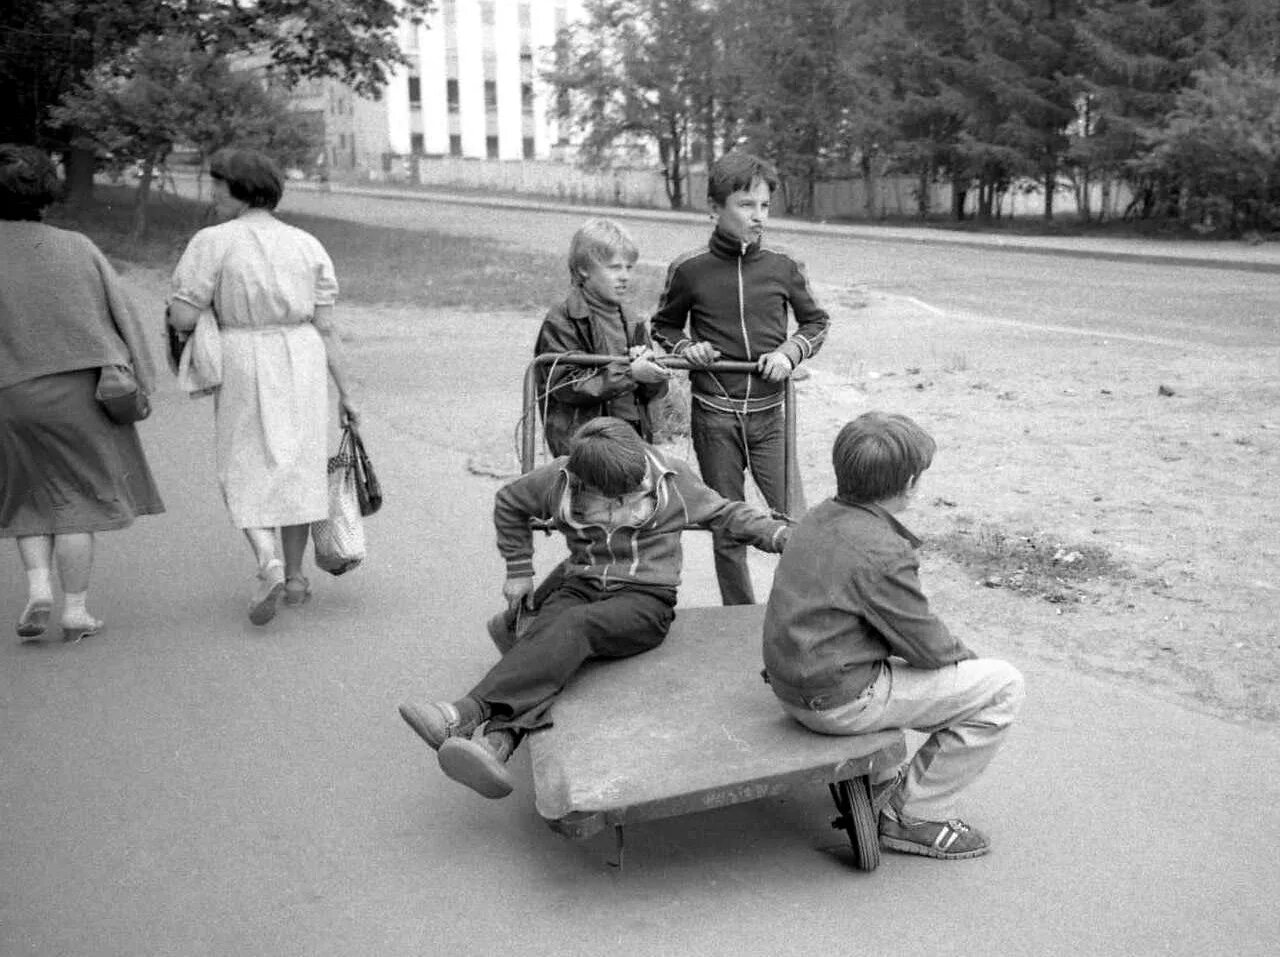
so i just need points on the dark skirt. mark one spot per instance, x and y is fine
(64, 466)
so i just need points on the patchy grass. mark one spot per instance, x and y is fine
(374, 264)
(1035, 564)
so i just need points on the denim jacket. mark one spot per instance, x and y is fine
(846, 596)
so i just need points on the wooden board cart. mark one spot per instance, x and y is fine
(691, 725)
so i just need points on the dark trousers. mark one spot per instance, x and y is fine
(727, 446)
(576, 622)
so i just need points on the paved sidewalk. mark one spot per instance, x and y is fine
(187, 784)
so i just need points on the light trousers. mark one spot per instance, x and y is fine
(966, 710)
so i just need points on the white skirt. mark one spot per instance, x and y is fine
(272, 426)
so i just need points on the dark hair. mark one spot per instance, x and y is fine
(736, 170)
(607, 454)
(251, 177)
(28, 182)
(878, 455)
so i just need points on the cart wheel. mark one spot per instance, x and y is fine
(853, 801)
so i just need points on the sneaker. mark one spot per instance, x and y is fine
(948, 840)
(481, 764)
(437, 723)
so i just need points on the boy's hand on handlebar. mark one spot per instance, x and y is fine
(644, 369)
(515, 589)
(775, 366)
(701, 354)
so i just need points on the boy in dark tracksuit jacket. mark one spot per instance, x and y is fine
(732, 300)
(622, 507)
(593, 319)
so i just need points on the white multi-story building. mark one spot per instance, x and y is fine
(473, 89)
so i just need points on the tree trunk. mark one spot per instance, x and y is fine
(80, 164)
(1050, 184)
(140, 200)
(868, 187)
(958, 195)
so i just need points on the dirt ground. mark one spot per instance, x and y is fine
(1100, 502)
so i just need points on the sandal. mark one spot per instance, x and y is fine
(297, 590)
(79, 630)
(267, 594)
(34, 619)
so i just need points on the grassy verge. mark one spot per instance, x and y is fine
(374, 264)
(1034, 564)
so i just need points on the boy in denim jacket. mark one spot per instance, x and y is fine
(851, 646)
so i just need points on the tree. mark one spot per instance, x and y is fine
(48, 48)
(643, 69)
(1222, 143)
(797, 90)
(135, 108)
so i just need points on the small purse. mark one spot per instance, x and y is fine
(368, 488)
(120, 396)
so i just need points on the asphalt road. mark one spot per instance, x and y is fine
(187, 784)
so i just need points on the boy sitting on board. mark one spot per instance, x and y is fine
(622, 507)
(851, 646)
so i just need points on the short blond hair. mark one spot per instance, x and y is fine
(596, 241)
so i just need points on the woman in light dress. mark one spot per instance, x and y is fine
(271, 288)
(67, 471)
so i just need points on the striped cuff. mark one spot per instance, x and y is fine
(520, 568)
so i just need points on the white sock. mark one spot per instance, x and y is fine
(39, 585)
(73, 606)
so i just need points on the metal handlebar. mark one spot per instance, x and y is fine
(529, 418)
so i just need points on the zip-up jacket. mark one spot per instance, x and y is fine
(648, 553)
(570, 395)
(846, 596)
(736, 297)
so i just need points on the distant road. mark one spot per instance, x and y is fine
(1138, 289)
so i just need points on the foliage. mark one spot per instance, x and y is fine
(135, 108)
(1221, 145)
(986, 94)
(639, 68)
(48, 47)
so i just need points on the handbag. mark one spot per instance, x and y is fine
(339, 539)
(120, 396)
(368, 488)
(200, 365)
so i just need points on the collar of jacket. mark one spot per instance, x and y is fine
(725, 246)
(885, 516)
(580, 305)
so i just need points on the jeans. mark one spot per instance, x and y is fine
(727, 445)
(578, 621)
(965, 708)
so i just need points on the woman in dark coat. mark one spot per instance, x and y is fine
(67, 471)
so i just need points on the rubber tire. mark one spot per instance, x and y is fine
(858, 819)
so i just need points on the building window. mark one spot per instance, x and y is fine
(415, 92)
(451, 95)
(491, 147)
